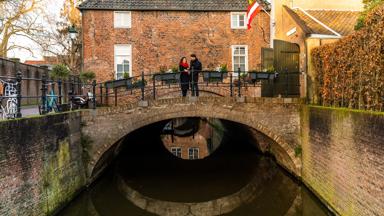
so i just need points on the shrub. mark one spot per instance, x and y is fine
(87, 76)
(224, 68)
(349, 73)
(60, 71)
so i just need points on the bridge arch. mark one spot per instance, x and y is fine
(276, 119)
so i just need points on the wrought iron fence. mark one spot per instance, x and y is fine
(53, 97)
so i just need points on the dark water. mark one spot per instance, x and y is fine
(147, 180)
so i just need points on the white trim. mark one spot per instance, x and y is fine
(245, 20)
(177, 148)
(322, 36)
(198, 153)
(318, 21)
(118, 25)
(246, 57)
(130, 58)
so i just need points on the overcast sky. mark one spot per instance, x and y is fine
(53, 7)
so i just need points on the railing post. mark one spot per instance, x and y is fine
(193, 82)
(231, 84)
(18, 86)
(44, 93)
(94, 94)
(115, 91)
(239, 81)
(59, 86)
(142, 86)
(154, 87)
(106, 95)
(287, 84)
(101, 93)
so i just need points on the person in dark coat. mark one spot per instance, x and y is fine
(196, 68)
(184, 76)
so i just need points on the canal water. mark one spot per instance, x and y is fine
(147, 179)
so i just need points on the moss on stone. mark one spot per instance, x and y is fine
(348, 110)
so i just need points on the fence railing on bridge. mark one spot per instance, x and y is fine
(62, 95)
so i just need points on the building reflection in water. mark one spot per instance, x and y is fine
(192, 138)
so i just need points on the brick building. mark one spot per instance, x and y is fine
(313, 23)
(137, 36)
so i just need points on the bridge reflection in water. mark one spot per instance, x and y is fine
(234, 180)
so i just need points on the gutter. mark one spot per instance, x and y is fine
(323, 36)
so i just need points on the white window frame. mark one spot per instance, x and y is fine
(192, 157)
(116, 24)
(233, 57)
(174, 151)
(119, 55)
(238, 14)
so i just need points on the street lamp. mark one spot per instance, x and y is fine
(72, 32)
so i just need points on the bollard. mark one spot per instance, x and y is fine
(18, 86)
(239, 81)
(94, 94)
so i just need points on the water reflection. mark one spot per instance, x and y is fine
(234, 180)
(192, 138)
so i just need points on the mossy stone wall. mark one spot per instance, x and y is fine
(41, 164)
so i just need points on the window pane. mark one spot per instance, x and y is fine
(236, 51)
(242, 67)
(236, 60)
(241, 20)
(234, 21)
(119, 68)
(242, 50)
(126, 68)
(119, 76)
(242, 60)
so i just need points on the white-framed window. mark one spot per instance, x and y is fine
(238, 20)
(123, 60)
(193, 153)
(176, 151)
(239, 58)
(122, 19)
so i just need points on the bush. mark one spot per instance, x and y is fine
(60, 72)
(350, 72)
(224, 68)
(87, 76)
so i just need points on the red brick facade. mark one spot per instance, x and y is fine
(161, 38)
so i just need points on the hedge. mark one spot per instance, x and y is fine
(350, 72)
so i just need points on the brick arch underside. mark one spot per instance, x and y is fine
(126, 121)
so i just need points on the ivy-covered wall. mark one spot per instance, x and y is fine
(41, 166)
(342, 157)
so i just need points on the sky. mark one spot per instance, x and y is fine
(54, 8)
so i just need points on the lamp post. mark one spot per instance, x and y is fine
(72, 32)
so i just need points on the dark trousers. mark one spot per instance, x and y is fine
(184, 92)
(195, 89)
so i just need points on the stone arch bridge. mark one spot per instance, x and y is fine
(274, 122)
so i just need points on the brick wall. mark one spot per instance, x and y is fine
(41, 165)
(342, 159)
(163, 37)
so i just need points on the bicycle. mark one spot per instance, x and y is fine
(50, 103)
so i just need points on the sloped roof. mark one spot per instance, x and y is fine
(168, 5)
(343, 22)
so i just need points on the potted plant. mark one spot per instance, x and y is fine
(125, 82)
(266, 74)
(168, 77)
(216, 76)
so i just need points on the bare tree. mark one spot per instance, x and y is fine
(55, 40)
(17, 18)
